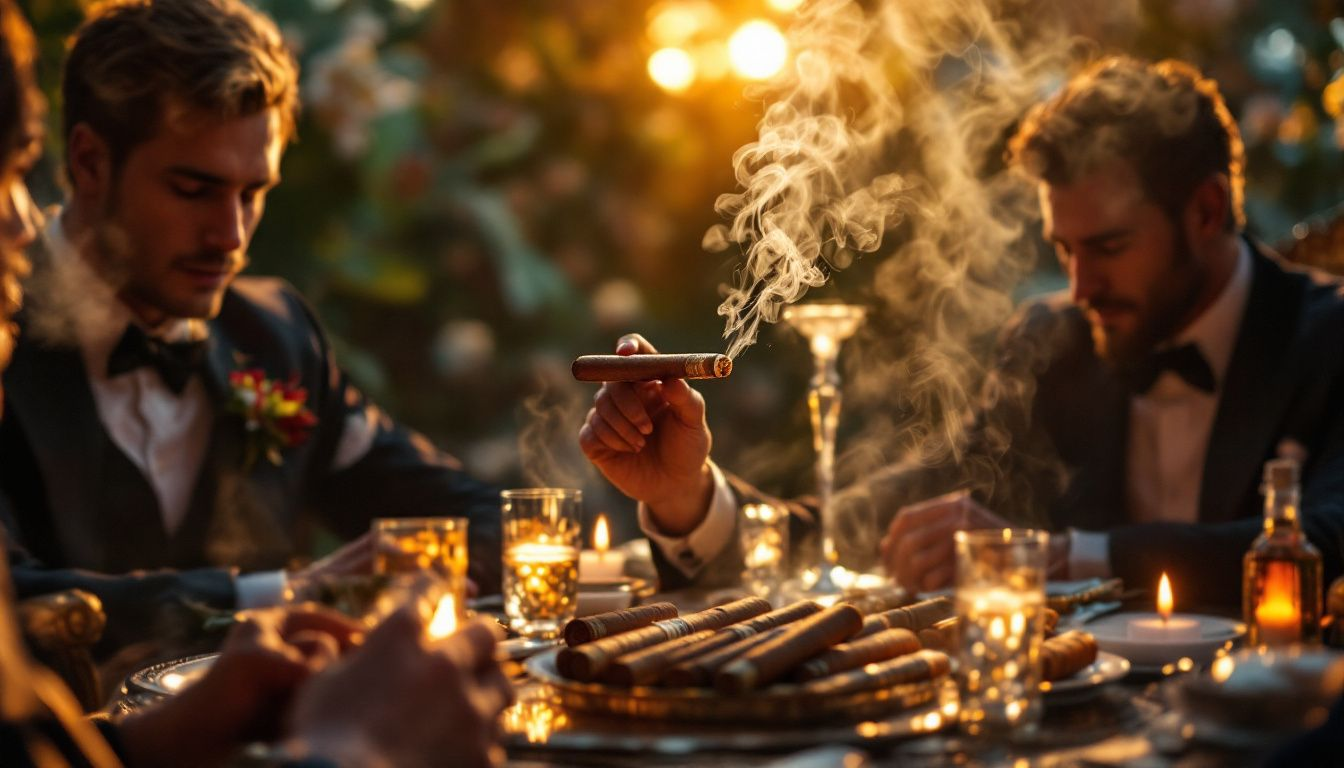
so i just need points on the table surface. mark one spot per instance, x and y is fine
(1133, 722)
(1128, 723)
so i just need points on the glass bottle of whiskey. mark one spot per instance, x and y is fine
(1281, 573)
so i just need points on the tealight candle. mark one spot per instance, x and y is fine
(598, 563)
(1164, 627)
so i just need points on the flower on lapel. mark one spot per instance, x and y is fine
(274, 414)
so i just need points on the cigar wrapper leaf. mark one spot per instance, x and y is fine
(585, 662)
(598, 368)
(589, 628)
(800, 641)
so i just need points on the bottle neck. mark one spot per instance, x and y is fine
(1281, 510)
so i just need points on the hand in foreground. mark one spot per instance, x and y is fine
(918, 549)
(406, 701)
(243, 697)
(651, 441)
(352, 559)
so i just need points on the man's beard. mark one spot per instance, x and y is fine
(120, 264)
(1171, 301)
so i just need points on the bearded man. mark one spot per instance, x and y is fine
(1183, 356)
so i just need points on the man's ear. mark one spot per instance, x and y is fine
(1210, 207)
(89, 161)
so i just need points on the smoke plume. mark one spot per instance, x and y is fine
(885, 141)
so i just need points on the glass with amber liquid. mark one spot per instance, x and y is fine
(541, 558)
(1281, 573)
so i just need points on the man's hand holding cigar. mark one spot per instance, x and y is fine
(651, 441)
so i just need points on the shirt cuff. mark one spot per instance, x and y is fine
(261, 589)
(690, 553)
(1089, 555)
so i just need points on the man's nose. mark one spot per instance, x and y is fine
(227, 228)
(1086, 282)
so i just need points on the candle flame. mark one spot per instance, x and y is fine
(444, 622)
(1164, 599)
(601, 538)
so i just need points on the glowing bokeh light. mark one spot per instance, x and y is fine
(758, 50)
(672, 69)
(784, 6)
(675, 23)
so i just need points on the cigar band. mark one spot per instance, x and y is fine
(740, 631)
(674, 628)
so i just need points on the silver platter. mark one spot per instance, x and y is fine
(563, 717)
(773, 706)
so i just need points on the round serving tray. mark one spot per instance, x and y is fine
(775, 705)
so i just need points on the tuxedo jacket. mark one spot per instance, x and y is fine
(1050, 441)
(81, 515)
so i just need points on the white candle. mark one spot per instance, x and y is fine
(1164, 627)
(599, 563)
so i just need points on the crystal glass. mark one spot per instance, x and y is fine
(433, 547)
(1000, 599)
(541, 558)
(825, 326)
(764, 537)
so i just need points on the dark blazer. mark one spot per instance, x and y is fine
(80, 515)
(1054, 430)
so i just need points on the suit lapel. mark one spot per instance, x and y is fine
(47, 390)
(1254, 393)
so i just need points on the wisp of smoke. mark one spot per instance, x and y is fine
(886, 138)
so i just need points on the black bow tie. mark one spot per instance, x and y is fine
(175, 362)
(1185, 361)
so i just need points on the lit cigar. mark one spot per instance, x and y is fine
(650, 367)
(917, 667)
(646, 665)
(1067, 654)
(887, 644)
(598, 626)
(585, 662)
(800, 641)
(700, 671)
(915, 617)
(941, 636)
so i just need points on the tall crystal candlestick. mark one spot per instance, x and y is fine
(826, 327)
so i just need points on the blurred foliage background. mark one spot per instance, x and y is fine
(482, 190)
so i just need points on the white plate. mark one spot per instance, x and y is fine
(1088, 681)
(1112, 633)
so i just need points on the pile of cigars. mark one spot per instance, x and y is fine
(867, 641)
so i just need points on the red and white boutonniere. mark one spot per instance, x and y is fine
(274, 414)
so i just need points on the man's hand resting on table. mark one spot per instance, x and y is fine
(651, 441)
(266, 657)
(404, 700)
(919, 551)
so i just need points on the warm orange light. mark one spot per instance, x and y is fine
(758, 50)
(444, 622)
(601, 537)
(672, 69)
(1164, 600)
(1278, 614)
(784, 6)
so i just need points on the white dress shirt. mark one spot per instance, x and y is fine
(1169, 430)
(164, 434)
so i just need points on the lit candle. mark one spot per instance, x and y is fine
(1277, 615)
(444, 622)
(598, 563)
(1164, 627)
